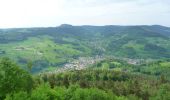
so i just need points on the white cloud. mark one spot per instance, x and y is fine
(37, 13)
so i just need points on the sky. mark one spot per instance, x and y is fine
(51, 13)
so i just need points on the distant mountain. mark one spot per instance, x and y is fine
(54, 46)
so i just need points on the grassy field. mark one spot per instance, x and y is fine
(55, 46)
(42, 49)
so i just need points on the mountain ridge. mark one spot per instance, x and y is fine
(54, 46)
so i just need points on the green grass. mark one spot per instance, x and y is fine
(165, 64)
(105, 66)
(116, 63)
(42, 48)
(54, 47)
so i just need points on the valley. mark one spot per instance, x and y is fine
(85, 63)
(84, 50)
(55, 46)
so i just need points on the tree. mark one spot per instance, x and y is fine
(29, 66)
(163, 93)
(43, 92)
(17, 96)
(163, 79)
(13, 78)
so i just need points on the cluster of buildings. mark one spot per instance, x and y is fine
(79, 64)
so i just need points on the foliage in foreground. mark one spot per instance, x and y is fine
(17, 84)
(13, 79)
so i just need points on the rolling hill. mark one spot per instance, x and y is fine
(55, 46)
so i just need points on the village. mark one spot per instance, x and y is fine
(79, 64)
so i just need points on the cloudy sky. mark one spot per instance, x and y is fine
(46, 13)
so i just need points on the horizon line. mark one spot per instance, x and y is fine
(82, 25)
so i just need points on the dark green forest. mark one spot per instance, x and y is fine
(88, 84)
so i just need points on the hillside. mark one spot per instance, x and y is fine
(53, 47)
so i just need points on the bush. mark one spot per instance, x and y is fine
(13, 79)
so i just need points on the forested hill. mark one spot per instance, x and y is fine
(55, 46)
